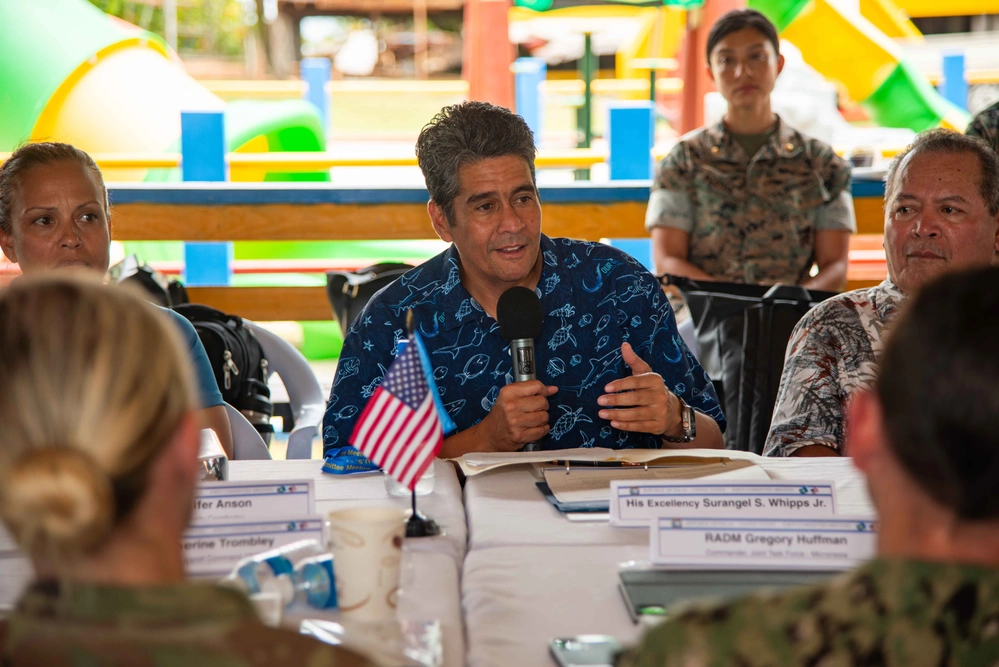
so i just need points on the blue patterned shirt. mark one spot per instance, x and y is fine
(594, 297)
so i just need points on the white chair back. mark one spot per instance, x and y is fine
(247, 445)
(304, 391)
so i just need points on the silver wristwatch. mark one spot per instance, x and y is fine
(688, 421)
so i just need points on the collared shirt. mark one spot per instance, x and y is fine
(752, 219)
(986, 126)
(888, 612)
(834, 350)
(182, 624)
(594, 297)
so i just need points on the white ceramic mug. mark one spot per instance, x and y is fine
(367, 550)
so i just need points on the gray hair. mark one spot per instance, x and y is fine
(464, 134)
(32, 155)
(950, 142)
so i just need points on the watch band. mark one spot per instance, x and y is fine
(688, 422)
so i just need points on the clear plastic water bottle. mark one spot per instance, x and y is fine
(314, 582)
(264, 571)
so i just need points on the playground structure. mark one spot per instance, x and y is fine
(119, 93)
(113, 88)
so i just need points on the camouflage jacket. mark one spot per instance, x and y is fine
(752, 219)
(834, 350)
(986, 126)
(186, 624)
(889, 612)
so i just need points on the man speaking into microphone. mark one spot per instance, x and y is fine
(611, 369)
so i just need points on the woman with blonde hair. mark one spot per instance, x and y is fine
(55, 214)
(98, 467)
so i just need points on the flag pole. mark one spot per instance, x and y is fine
(419, 525)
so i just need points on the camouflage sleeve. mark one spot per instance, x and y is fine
(747, 633)
(809, 406)
(671, 203)
(986, 126)
(837, 212)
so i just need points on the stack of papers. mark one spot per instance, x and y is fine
(479, 462)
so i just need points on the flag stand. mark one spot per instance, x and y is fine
(419, 525)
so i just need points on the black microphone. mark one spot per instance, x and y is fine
(519, 314)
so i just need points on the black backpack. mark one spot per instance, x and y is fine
(159, 289)
(238, 361)
(349, 293)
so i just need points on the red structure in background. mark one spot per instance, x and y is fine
(694, 64)
(488, 52)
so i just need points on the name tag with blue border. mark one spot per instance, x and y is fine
(226, 502)
(641, 503)
(762, 544)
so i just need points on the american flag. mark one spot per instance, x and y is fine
(399, 429)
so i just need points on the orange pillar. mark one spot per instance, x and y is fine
(696, 82)
(488, 53)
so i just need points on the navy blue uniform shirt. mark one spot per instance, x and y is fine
(594, 297)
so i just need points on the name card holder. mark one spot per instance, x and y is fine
(640, 503)
(699, 543)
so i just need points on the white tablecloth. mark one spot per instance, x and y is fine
(431, 568)
(532, 575)
(516, 599)
(342, 491)
(505, 508)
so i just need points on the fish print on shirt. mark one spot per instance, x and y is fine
(347, 412)
(453, 280)
(475, 367)
(346, 368)
(490, 399)
(471, 361)
(598, 368)
(464, 341)
(369, 389)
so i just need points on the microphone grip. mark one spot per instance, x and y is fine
(522, 355)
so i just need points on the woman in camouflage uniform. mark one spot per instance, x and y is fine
(98, 467)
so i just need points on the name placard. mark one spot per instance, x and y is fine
(226, 502)
(214, 549)
(760, 544)
(640, 504)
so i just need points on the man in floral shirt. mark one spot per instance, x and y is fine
(941, 214)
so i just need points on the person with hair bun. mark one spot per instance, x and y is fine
(55, 214)
(98, 468)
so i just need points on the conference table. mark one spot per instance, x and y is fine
(511, 572)
(430, 573)
(532, 575)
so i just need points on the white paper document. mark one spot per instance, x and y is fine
(641, 503)
(226, 502)
(478, 462)
(593, 484)
(837, 543)
(214, 549)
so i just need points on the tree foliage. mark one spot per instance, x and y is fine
(207, 27)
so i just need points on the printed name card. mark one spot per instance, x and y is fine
(761, 544)
(640, 504)
(227, 502)
(214, 549)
